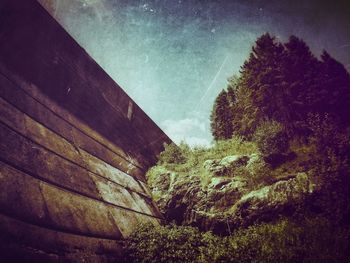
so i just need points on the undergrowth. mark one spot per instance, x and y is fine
(311, 240)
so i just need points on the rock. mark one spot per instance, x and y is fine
(234, 161)
(219, 182)
(181, 199)
(267, 203)
(162, 182)
(226, 166)
(238, 184)
(254, 159)
(212, 166)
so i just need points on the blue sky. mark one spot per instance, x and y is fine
(174, 56)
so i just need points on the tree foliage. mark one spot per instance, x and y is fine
(271, 138)
(221, 117)
(285, 83)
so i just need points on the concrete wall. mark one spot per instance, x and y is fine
(73, 147)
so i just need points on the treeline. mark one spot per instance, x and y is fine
(286, 83)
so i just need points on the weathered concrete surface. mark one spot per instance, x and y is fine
(73, 147)
(17, 239)
(35, 201)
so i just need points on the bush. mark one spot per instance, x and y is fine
(172, 154)
(271, 138)
(163, 244)
(331, 166)
(311, 240)
(234, 146)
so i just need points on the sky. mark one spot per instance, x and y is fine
(173, 57)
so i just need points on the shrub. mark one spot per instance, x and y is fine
(172, 154)
(310, 240)
(331, 166)
(163, 244)
(271, 138)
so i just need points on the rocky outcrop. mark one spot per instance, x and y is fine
(199, 199)
(219, 199)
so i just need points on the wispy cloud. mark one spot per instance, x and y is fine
(188, 130)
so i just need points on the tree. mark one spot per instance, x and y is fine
(286, 83)
(301, 72)
(231, 97)
(334, 94)
(258, 95)
(221, 117)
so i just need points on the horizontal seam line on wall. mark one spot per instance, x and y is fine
(66, 189)
(100, 158)
(69, 123)
(73, 162)
(76, 233)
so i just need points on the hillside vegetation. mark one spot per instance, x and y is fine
(275, 185)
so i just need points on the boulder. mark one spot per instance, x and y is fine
(226, 166)
(219, 182)
(269, 202)
(254, 160)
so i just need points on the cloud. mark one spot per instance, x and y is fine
(184, 126)
(188, 130)
(196, 141)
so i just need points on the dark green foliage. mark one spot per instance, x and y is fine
(286, 83)
(271, 138)
(221, 117)
(331, 166)
(231, 97)
(335, 83)
(172, 154)
(286, 241)
(164, 244)
(314, 240)
(259, 92)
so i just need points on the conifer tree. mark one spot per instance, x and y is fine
(257, 98)
(221, 117)
(300, 76)
(231, 97)
(335, 89)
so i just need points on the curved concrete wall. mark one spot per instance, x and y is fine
(74, 147)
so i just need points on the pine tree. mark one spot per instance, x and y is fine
(258, 95)
(334, 94)
(300, 73)
(231, 97)
(221, 117)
